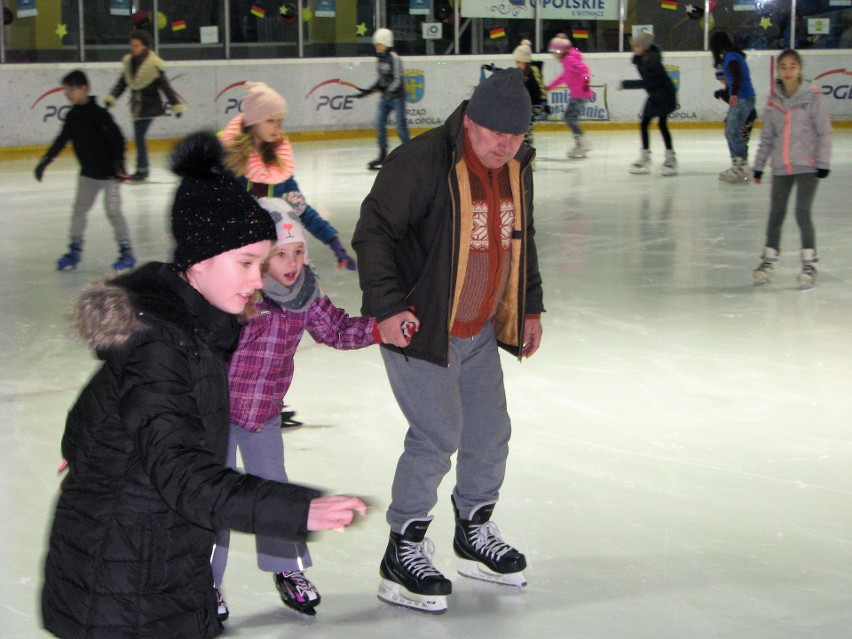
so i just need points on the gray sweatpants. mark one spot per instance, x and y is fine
(782, 186)
(263, 455)
(87, 190)
(462, 407)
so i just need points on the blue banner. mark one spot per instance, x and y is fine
(27, 8)
(419, 7)
(325, 9)
(119, 7)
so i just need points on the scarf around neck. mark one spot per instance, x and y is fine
(296, 298)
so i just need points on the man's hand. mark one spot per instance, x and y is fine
(393, 329)
(532, 337)
(334, 512)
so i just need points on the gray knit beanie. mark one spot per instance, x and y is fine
(501, 103)
(643, 39)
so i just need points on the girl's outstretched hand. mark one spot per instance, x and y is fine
(334, 512)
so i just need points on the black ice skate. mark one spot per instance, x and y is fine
(408, 577)
(376, 164)
(482, 552)
(297, 592)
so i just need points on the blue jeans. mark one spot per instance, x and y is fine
(397, 105)
(734, 123)
(140, 130)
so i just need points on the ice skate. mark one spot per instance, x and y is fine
(69, 261)
(764, 271)
(288, 421)
(482, 552)
(140, 176)
(408, 577)
(581, 148)
(669, 167)
(807, 277)
(222, 611)
(737, 174)
(643, 164)
(297, 592)
(376, 164)
(125, 260)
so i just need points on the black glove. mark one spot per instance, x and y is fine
(40, 167)
(363, 93)
(822, 173)
(757, 176)
(489, 67)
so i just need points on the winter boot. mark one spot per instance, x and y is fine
(737, 174)
(297, 592)
(140, 176)
(125, 258)
(766, 268)
(221, 607)
(643, 164)
(581, 147)
(408, 577)
(69, 261)
(807, 278)
(670, 164)
(376, 164)
(483, 553)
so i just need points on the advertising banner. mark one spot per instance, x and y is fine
(550, 9)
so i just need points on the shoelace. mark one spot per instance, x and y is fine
(304, 588)
(487, 540)
(417, 558)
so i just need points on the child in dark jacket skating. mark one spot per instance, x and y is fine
(99, 147)
(661, 102)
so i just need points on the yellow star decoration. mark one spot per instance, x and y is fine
(361, 29)
(61, 30)
(765, 22)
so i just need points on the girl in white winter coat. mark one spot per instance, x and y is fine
(796, 139)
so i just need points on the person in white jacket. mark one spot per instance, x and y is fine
(796, 139)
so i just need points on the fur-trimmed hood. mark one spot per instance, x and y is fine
(150, 69)
(112, 310)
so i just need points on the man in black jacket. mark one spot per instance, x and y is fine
(449, 269)
(99, 147)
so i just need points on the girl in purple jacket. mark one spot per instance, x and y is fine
(576, 76)
(796, 138)
(259, 376)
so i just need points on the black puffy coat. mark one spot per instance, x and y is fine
(146, 440)
(662, 94)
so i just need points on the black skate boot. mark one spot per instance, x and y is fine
(376, 164)
(408, 577)
(483, 553)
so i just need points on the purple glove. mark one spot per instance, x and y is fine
(343, 259)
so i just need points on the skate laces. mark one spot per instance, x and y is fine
(487, 540)
(303, 587)
(417, 558)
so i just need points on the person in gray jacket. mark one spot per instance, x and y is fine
(796, 138)
(450, 271)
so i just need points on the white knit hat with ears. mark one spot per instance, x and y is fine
(383, 36)
(523, 52)
(288, 227)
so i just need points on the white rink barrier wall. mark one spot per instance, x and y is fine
(321, 92)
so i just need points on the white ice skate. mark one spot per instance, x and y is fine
(396, 595)
(478, 570)
(581, 148)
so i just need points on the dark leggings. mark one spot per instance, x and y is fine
(664, 129)
(782, 186)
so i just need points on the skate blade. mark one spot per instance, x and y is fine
(476, 570)
(394, 594)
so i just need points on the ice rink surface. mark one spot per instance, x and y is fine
(681, 465)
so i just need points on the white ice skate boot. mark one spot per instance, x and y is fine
(669, 167)
(738, 173)
(408, 577)
(581, 148)
(482, 552)
(763, 273)
(643, 164)
(807, 278)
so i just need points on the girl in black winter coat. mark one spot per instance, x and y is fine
(145, 443)
(662, 100)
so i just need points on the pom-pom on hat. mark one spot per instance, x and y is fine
(523, 52)
(501, 103)
(643, 39)
(560, 43)
(288, 226)
(383, 36)
(211, 213)
(262, 102)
